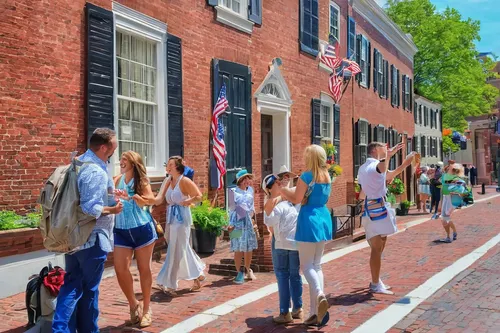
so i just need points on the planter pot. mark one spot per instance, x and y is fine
(401, 211)
(206, 241)
(357, 195)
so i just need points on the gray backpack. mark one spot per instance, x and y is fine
(63, 224)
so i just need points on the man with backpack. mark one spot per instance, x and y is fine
(77, 302)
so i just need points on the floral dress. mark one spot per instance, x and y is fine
(240, 208)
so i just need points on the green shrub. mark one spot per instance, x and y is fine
(405, 204)
(208, 218)
(391, 198)
(9, 220)
(397, 187)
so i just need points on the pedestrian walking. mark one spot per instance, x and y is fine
(280, 216)
(314, 227)
(379, 219)
(473, 175)
(181, 262)
(134, 234)
(453, 185)
(241, 225)
(77, 306)
(435, 189)
(424, 189)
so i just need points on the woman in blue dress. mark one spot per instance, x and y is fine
(314, 227)
(241, 228)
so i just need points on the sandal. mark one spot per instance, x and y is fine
(135, 314)
(196, 286)
(146, 319)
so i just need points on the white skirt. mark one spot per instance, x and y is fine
(446, 208)
(181, 263)
(382, 227)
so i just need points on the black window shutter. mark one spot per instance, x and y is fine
(369, 133)
(369, 63)
(375, 70)
(386, 79)
(255, 11)
(411, 95)
(336, 134)
(398, 96)
(316, 121)
(403, 91)
(420, 114)
(351, 37)
(213, 2)
(174, 92)
(100, 68)
(358, 49)
(415, 112)
(393, 102)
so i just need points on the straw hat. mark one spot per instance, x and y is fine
(242, 174)
(284, 171)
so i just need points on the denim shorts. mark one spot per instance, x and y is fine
(135, 238)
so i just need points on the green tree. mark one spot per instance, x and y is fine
(446, 67)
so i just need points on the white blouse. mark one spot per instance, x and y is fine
(283, 220)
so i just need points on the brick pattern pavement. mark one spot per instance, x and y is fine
(411, 258)
(468, 303)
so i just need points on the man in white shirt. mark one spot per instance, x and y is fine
(379, 220)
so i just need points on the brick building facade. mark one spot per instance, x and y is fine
(153, 70)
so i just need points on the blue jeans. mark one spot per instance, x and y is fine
(77, 302)
(287, 269)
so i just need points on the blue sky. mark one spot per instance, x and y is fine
(485, 11)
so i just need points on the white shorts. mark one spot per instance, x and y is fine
(383, 227)
(446, 208)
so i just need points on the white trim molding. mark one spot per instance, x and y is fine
(233, 19)
(282, 103)
(136, 22)
(377, 17)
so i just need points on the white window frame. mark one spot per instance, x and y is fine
(380, 75)
(236, 20)
(407, 93)
(364, 61)
(135, 23)
(337, 8)
(327, 101)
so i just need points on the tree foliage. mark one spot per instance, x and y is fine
(447, 67)
(448, 145)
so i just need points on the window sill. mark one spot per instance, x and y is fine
(324, 68)
(308, 50)
(232, 19)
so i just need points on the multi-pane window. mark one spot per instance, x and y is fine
(237, 6)
(351, 37)
(136, 64)
(334, 20)
(309, 26)
(326, 124)
(360, 150)
(395, 86)
(407, 94)
(364, 57)
(380, 75)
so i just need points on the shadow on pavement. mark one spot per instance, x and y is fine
(220, 283)
(265, 325)
(357, 296)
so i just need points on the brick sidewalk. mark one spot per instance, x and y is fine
(468, 303)
(410, 259)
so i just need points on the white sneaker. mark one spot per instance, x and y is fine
(251, 275)
(385, 286)
(379, 289)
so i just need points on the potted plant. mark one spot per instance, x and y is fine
(396, 187)
(208, 222)
(403, 208)
(357, 188)
(391, 198)
(334, 169)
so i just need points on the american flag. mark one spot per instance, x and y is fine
(353, 67)
(329, 55)
(335, 86)
(219, 147)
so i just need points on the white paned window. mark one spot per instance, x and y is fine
(238, 6)
(364, 62)
(136, 65)
(335, 20)
(326, 122)
(407, 93)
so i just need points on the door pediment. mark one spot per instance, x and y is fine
(273, 93)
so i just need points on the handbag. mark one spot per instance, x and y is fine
(158, 227)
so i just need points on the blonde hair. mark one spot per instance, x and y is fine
(140, 176)
(315, 158)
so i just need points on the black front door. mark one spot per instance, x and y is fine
(266, 129)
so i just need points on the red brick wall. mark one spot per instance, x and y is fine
(43, 75)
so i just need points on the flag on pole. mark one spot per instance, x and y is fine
(335, 86)
(353, 67)
(219, 147)
(328, 55)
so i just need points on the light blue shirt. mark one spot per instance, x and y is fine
(132, 216)
(94, 185)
